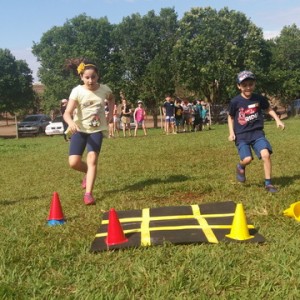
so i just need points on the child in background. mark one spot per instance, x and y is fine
(246, 123)
(204, 115)
(169, 113)
(116, 120)
(125, 116)
(87, 128)
(110, 122)
(63, 106)
(139, 118)
(178, 115)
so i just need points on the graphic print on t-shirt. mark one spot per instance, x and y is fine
(248, 115)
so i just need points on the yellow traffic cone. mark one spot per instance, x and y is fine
(239, 229)
(293, 211)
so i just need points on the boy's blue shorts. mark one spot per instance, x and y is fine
(90, 141)
(244, 147)
(170, 119)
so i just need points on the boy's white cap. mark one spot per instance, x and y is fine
(245, 75)
(64, 101)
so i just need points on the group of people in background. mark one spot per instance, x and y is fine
(185, 116)
(122, 118)
(180, 115)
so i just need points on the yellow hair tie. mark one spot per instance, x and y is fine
(82, 66)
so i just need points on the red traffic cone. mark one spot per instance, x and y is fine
(56, 216)
(115, 234)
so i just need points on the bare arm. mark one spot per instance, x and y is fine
(111, 107)
(134, 113)
(231, 128)
(73, 127)
(273, 114)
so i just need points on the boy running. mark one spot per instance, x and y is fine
(245, 123)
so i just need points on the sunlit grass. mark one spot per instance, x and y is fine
(37, 261)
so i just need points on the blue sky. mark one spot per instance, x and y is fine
(24, 21)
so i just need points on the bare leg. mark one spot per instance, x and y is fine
(129, 131)
(92, 159)
(124, 129)
(167, 127)
(144, 128)
(246, 161)
(265, 156)
(76, 163)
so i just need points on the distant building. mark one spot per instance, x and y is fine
(38, 88)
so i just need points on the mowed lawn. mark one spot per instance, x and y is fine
(42, 262)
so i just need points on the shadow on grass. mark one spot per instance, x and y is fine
(148, 182)
(286, 180)
(282, 180)
(12, 202)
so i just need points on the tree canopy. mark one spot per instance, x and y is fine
(81, 36)
(15, 83)
(213, 47)
(285, 66)
(148, 56)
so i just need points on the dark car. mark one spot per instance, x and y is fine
(33, 125)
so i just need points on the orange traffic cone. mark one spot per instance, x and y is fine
(239, 229)
(56, 216)
(115, 234)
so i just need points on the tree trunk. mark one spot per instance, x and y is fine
(155, 120)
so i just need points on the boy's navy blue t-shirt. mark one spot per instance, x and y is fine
(248, 117)
(170, 109)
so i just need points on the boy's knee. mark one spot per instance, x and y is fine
(247, 160)
(265, 154)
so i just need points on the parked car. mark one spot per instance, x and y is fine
(33, 125)
(56, 127)
(219, 114)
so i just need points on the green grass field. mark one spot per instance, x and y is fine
(42, 262)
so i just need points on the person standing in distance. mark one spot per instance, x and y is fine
(63, 106)
(89, 123)
(139, 116)
(246, 123)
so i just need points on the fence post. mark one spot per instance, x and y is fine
(16, 123)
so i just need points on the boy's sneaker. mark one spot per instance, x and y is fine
(88, 199)
(240, 174)
(271, 188)
(83, 183)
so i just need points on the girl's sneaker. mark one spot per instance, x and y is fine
(88, 199)
(83, 183)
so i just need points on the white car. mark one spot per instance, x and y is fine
(56, 127)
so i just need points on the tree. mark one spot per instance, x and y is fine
(285, 66)
(213, 47)
(79, 37)
(145, 46)
(15, 83)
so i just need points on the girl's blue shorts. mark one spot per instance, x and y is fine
(90, 141)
